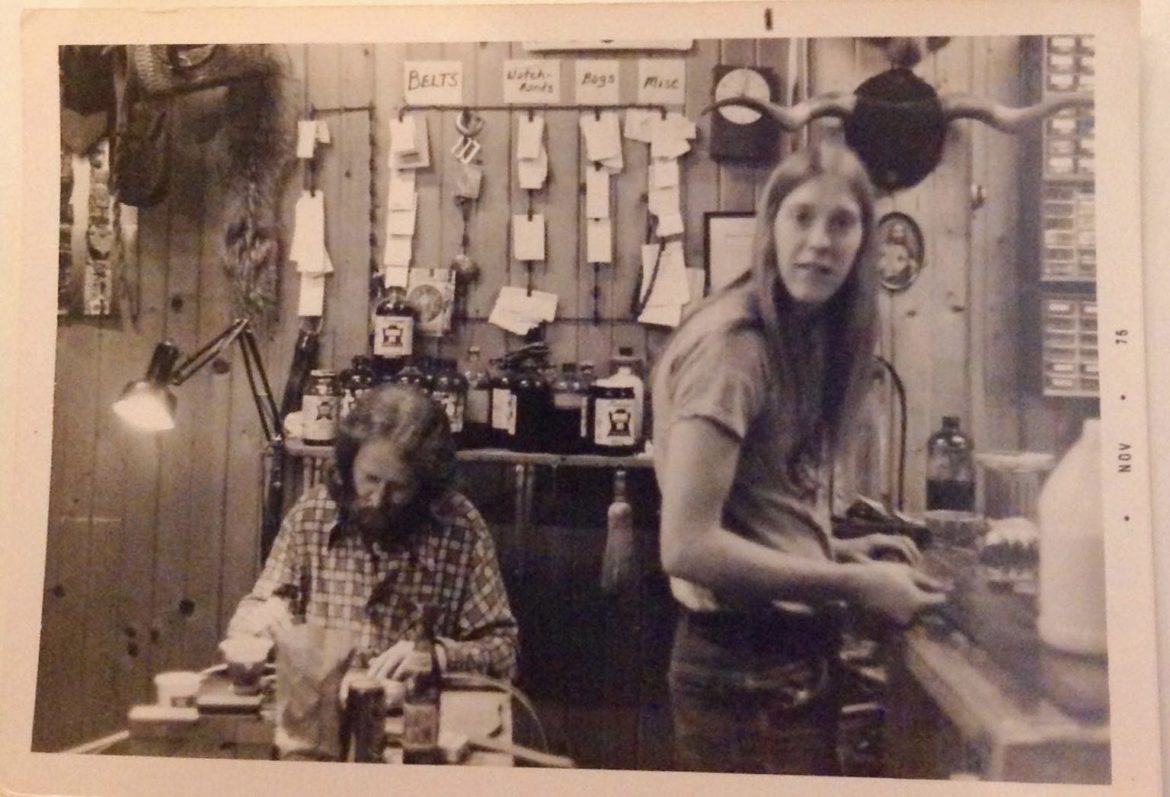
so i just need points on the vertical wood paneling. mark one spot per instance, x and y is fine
(699, 174)
(325, 79)
(996, 257)
(352, 231)
(562, 208)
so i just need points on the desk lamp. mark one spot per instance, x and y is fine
(149, 405)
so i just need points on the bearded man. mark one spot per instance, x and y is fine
(383, 537)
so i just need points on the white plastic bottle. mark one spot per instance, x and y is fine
(1072, 550)
(1071, 620)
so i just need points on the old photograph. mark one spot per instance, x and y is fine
(741, 398)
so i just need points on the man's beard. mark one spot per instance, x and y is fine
(389, 525)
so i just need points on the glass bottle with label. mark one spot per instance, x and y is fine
(450, 390)
(319, 408)
(477, 419)
(421, 705)
(950, 468)
(503, 407)
(354, 381)
(568, 400)
(392, 334)
(614, 419)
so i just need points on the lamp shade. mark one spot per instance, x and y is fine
(147, 404)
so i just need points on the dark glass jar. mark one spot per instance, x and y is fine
(614, 419)
(319, 407)
(411, 374)
(354, 381)
(392, 334)
(533, 410)
(950, 468)
(568, 400)
(450, 390)
(477, 412)
(586, 378)
(503, 406)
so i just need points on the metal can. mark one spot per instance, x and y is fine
(319, 408)
(365, 710)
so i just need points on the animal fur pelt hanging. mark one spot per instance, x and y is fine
(259, 127)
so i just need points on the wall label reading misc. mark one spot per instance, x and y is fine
(433, 82)
(532, 81)
(662, 81)
(597, 82)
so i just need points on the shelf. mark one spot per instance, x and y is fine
(298, 448)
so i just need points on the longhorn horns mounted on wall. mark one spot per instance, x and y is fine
(897, 122)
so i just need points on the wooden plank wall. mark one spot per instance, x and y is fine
(153, 540)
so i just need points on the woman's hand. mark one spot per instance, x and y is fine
(397, 662)
(896, 591)
(877, 546)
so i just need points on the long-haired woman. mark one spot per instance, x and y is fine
(752, 395)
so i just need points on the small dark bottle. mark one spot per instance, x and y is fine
(365, 719)
(355, 381)
(950, 468)
(585, 439)
(421, 705)
(450, 390)
(533, 409)
(503, 411)
(568, 400)
(477, 412)
(392, 334)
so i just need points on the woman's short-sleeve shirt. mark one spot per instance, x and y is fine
(721, 371)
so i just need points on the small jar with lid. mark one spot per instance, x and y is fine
(319, 408)
(614, 419)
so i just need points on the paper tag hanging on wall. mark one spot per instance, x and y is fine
(409, 143)
(528, 237)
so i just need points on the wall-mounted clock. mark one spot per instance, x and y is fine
(739, 133)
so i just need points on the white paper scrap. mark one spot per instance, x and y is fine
(669, 223)
(664, 200)
(420, 156)
(530, 137)
(528, 237)
(323, 136)
(532, 172)
(596, 193)
(602, 133)
(403, 136)
(598, 241)
(311, 302)
(664, 173)
(308, 249)
(401, 222)
(306, 137)
(640, 124)
(399, 250)
(402, 194)
(395, 277)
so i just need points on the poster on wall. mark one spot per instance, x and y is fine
(983, 603)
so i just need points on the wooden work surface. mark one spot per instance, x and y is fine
(966, 695)
(298, 448)
(478, 714)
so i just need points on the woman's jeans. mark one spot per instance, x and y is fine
(754, 693)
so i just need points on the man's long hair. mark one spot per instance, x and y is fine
(414, 422)
(849, 318)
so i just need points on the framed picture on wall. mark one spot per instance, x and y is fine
(727, 245)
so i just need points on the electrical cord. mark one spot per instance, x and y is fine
(474, 679)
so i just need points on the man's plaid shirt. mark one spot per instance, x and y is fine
(375, 592)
